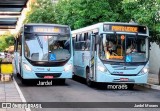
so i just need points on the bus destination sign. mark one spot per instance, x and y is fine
(46, 29)
(125, 28)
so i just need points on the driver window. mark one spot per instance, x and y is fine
(110, 44)
(113, 46)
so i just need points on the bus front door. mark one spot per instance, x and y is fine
(91, 75)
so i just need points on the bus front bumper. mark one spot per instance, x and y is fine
(108, 78)
(47, 75)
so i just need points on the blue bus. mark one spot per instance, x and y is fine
(112, 52)
(41, 52)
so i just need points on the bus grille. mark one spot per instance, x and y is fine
(41, 75)
(125, 74)
(118, 67)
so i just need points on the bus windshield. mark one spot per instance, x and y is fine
(47, 47)
(123, 48)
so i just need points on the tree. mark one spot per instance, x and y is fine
(6, 40)
(145, 12)
(80, 13)
(42, 11)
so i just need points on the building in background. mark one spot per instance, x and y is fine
(154, 58)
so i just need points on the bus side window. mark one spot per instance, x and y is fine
(19, 43)
(76, 38)
(82, 37)
(82, 42)
(87, 41)
(77, 43)
(73, 42)
(79, 37)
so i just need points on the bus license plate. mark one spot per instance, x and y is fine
(123, 79)
(48, 77)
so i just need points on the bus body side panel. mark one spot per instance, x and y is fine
(78, 65)
(81, 61)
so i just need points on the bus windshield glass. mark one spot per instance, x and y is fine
(47, 47)
(123, 48)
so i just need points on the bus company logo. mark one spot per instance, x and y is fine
(48, 69)
(40, 68)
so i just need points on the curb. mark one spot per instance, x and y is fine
(151, 86)
(21, 94)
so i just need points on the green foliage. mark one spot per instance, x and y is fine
(41, 12)
(81, 13)
(145, 12)
(6, 41)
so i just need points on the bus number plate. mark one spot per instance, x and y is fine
(48, 77)
(123, 79)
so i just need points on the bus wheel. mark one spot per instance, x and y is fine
(130, 86)
(88, 81)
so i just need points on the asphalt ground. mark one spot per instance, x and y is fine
(75, 90)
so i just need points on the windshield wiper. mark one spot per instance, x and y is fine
(39, 42)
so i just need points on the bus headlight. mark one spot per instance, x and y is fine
(145, 70)
(68, 67)
(27, 67)
(101, 68)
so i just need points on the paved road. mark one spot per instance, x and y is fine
(77, 91)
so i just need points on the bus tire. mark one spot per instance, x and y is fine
(88, 81)
(130, 86)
